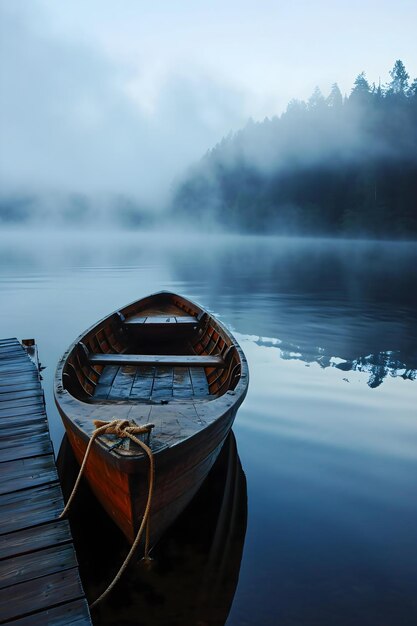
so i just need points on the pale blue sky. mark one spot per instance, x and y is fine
(122, 95)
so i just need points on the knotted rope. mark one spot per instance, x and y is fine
(123, 429)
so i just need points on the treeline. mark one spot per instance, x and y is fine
(75, 210)
(332, 165)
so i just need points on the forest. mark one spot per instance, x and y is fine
(336, 165)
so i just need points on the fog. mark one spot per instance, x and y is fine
(70, 121)
(331, 165)
(315, 300)
(103, 108)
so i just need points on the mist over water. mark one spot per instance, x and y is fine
(327, 436)
(80, 122)
(106, 117)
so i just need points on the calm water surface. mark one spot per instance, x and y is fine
(327, 436)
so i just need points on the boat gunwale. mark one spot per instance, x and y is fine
(218, 407)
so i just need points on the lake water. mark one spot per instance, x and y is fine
(327, 437)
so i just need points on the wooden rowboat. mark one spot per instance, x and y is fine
(162, 360)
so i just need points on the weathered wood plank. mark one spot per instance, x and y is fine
(20, 384)
(182, 387)
(7, 368)
(38, 567)
(40, 593)
(163, 383)
(22, 449)
(15, 363)
(199, 381)
(24, 413)
(11, 347)
(108, 374)
(136, 320)
(33, 398)
(158, 359)
(24, 567)
(34, 538)
(105, 382)
(20, 395)
(15, 355)
(101, 392)
(123, 382)
(161, 320)
(11, 342)
(32, 403)
(20, 435)
(143, 383)
(144, 372)
(186, 319)
(73, 613)
(13, 350)
(27, 473)
(23, 509)
(12, 358)
(18, 379)
(33, 425)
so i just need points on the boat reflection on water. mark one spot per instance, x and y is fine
(196, 564)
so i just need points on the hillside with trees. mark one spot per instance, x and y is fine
(333, 165)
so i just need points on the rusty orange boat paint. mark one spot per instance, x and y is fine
(162, 360)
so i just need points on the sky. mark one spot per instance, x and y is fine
(106, 96)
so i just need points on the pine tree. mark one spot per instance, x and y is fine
(316, 100)
(412, 90)
(335, 98)
(361, 89)
(296, 107)
(399, 79)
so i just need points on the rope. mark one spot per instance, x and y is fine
(121, 428)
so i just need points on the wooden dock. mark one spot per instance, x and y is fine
(39, 579)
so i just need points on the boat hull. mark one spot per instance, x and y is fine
(179, 474)
(190, 392)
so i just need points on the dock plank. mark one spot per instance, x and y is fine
(21, 449)
(16, 382)
(11, 369)
(23, 413)
(34, 538)
(40, 593)
(24, 567)
(24, 428)
(26, 473)
(25, 383)
(30, 507)
(31, 403)
(39, 579)
(69, 614)
(20, 394)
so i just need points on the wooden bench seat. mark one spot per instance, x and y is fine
(157, 359)
(161, 320)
